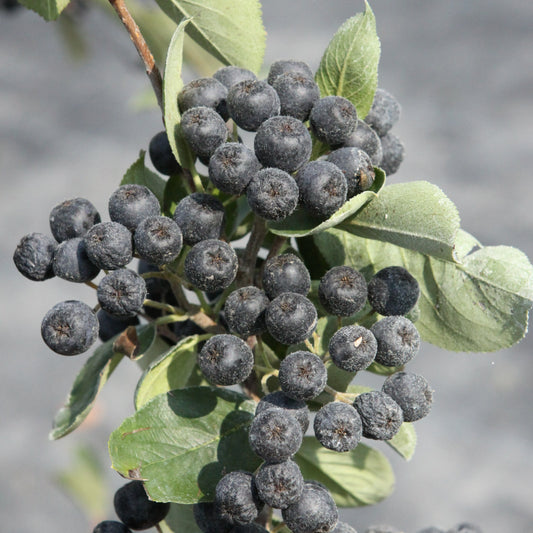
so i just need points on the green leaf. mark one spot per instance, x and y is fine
(180, 518)
(183, 441)
(415, 215)
(301, 223)
(172, 84)
(478, 305)
(88, 383)
(349, 66)
(140, 175)
(48, 9)
(362, 476)
(171, 371)
(175, 190)
(233, 32)
(404, 442)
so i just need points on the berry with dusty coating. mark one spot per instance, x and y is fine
(302, 375)
(356, 167)
(33, 256)
(225, 360)
(279, 485)
(353, 348)
(393, 153)
(398, 340)
(278, 399)
(285, 66)
(380, 414)
(70, 328)
(130, 204)
(110, 325)
(111, 526)
(109, 245)
(231, 75)
(135, 509)
(208, 518)
(285, 273)
(333, 119)
(342, 291)
(393, 291)
(275, 435)
(384, 113)
(211, 265)
(206, 92)
(204, 130)
(338, 426)
(122, 293)
(291, 318)
(365, 138)
(411, 392)
(158, 240)
(72, 263)
(161, 154)
(72, 218)
(297, 94)
(244, 310)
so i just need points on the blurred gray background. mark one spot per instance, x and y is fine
(463, 72)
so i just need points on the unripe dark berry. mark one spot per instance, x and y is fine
(333, 119)
(285, 273)
(366, 139)
(338, 426)
(110, 325)
(231, 75)
(380, 414)
(122, 293)
(161, 155)
(278, 399)
(356, 167)
(297, 94)
(353, 348)
(279, 485)
(384, 113)
(284, 66)
(132, 203)
(207, 92)
(72, 218)
(342, 291)
(398, 340)
(244, 310)
(411, 392)
(158, 240)
(302, 375)
(33, 256)
(109, 245)
(393, 154)
(72, 263)
(204, 130)
(111, 526)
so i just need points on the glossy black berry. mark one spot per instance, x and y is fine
(225, 360)
(236, 498)
(206, 92)
(111, 526)
(72, 263)
(211, 265)
(121, 293)
(132, 203)
(278, 399)
(411, 392)
(72, 218)
(322, 187)
(279, 485)
(33, 256)
(393, 291)
(244, 310)
(384, 113)
(302, 375)
(297, 94)
(204, 130)
(161, 154)
(275, 435)
(272, 194)
(342, 291)
(284, 66)
(338, 427)
(200, 217)
(135, 509)
(353, 348)
(109, 245)
(356, 167)
(285, 273)
(231, 75)
(393, 153)
(208, 518)
(314, 512)
(333, 119)
(110, 325)
(366, 139)
(380, 414)
(291, 318)
(251, 102)
(398, 340)
(70, 328)
(232, 166)
(158, 240)
(283, 142)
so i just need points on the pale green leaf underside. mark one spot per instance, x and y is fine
(362, 476)
(48, 9)
(182, 442)
(415, 215)
(233, 31)
(349, 66)
(404, 442)
(139, 174)
(478, 305)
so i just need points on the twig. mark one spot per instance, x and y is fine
(247, 267)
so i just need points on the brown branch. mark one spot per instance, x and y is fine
(140, 44)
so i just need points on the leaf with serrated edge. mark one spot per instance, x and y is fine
(183, 441)
(171, 371)
(362, 476)
(233, 32)
(404, 442)
(415, 215)
(302, 224)
(349, 66)
(140, 175)
(88, 383)
(478, 305)
(48, 9)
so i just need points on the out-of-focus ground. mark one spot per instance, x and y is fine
(463, 72)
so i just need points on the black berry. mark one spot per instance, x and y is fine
(380, 414)
(231, 75)
(285, 273)
(109, 245)
(411, 392)
(208, 518)
(161, 154)
(302, 375)
(132, 203)
(384, 113)
(158, 240)
(365, 138)
(280, 484)
(353, 348)
(111, 526)
(297, 94)
(333, 119)
(72, 218)
(284, 66)
(33, 256)
(398, 340)
(204, 130)
(110, 325)
(338, 427)
(356, 167)
(72, 263)
(393, 153)
(244, 310)
(278, 399)
(236, 498)
(121, 293)
(342, 291)
(206, 92)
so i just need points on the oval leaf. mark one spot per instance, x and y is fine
(415, 215)
(140, 175)
(362, 476)
(233, 32)
(183, 441)
(404, 442)
(349, 66)
(89, 382)
(48, 9)
(302, 224)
